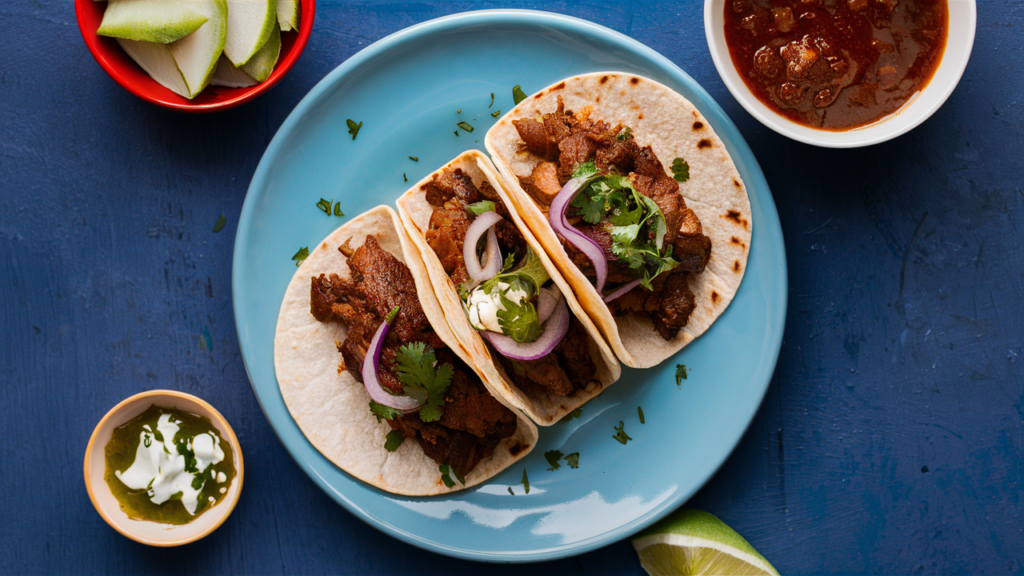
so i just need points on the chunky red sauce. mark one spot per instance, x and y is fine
(836, 64)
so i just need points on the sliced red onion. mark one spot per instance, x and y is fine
(556, 215)
(483, 223)
(554, 330)
(546, 301)
(622, 290)
(371, 364)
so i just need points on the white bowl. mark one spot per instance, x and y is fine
(962, 20)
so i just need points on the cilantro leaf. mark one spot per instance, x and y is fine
(584, 169)
(391, 315)
(219, 225)
(414, 158)
(641, 412)
(680, 170)
(519, 322)
(480, 207)
(624, 135)
(445, 470)
(496, 113)
(573, 460)
(383, 412)
(492, 100)
(526, 481)
(353, 128)
(337, 210)
(574, 414)
(465, 126)
(620, 433)
(553, 456)
(324, 206)
(404, 177)
(422, 379)
(301, 255)
(510, 491)
(393, 440)
(517, 94)
(681, 373)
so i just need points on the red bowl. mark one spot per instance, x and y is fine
(127, 73)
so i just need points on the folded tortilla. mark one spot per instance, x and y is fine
(332, 408)
(543, 407)
(674, 128)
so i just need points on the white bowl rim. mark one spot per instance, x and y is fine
(959, 43)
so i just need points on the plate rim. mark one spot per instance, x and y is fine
(736, 145)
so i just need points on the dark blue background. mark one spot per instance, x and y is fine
(890, 441)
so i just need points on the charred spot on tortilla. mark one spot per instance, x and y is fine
(634, 80)
(736, 266)
(704, 143)
(714, 297)
(737, 183)
(558, 86)
(737, 218)
(604, 79)
(738, 242)
(640, 117)
(517, 449)
(698, 125)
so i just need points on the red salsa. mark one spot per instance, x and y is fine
(835, 64)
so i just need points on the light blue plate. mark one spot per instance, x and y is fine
(407, 90)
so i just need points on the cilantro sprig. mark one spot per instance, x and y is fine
(423, 378)
(681, 373)
(393, 440)
(519, 319)
(553, 456)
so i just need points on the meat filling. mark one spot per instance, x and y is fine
(472, 422)
(564, 140)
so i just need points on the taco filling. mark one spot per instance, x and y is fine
(504, 288)
(618, 214)
(418, 385)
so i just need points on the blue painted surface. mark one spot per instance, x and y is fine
(476, 55)
(901, 352)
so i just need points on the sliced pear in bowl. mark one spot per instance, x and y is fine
(288, 15)
(156, 60)
(262, 63)
(150, 20)
(227, 75)
(197, 53)
(250, 23)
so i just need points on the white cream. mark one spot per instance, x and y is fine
(160, 470)
(483, 308)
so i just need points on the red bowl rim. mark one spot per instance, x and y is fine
(308, 8)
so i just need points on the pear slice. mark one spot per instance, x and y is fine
(288, 15)
(197, 53)
(262, 63)
(156, 60)
(227, 75)
(250, 23)
(149, 20)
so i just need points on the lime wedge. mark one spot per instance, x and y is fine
(288, 15)
(196, 54)
(149, 20)
(156, 60)
(227, 75)
(250, 23)
(262, 63)
(693, 542)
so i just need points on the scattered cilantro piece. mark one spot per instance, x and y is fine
(301, 255)
(324, 206)
(391, 315)
(422, 379)
(526, 481)
(573, 460)
(393, 440)
(517, 94)
(641, 412)
(456, 133)
(553, 456)
(509, 488)
(219, 225)
(480, 207)
(496, 114)
(353, 128)
(680, 373)
(404, 177)
(620, 433)
(519, 320)
(383, 412)
(584, 169)
(574, 414)
(463, 292)
(337, 210)
(465, 126)
(624, 135)
(680, 170)
(492, 100)
(445, 470)
(414, 158)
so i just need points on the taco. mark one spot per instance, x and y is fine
(637, 202)
(375, 378)
(514, 312)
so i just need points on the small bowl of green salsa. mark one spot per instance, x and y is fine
(163, 468)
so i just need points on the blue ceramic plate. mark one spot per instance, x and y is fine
(407, 90)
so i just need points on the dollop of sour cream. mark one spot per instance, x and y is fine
(160, 470)
(483, 307)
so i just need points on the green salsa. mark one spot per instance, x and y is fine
(168, 466)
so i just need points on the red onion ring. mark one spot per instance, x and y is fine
(371, 364)
(555, 329)
(483, 223)
(546, 301)
(590, 249)
(622, 290)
